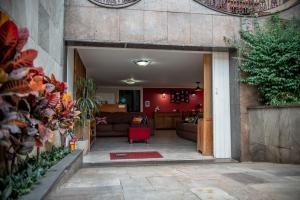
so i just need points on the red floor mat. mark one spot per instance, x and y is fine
(134, 155)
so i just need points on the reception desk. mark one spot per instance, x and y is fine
(166, 120)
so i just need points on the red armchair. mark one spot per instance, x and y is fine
(138, 134)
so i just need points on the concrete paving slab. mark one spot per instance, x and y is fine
(244, 181)
(212, 193)
(170, 183)
(280, 191)
(245, 178)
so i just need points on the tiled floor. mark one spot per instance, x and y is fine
(166, 142)
(231, 181)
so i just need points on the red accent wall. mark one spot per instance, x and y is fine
(154, 95)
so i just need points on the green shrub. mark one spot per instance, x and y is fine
(271, 61)
(29, 172)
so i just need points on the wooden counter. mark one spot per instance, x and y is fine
(112, 108)
(166, 120)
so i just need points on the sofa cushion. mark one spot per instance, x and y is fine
(109, 116)
(137, 120)
(101, 120)
(120, 127)
(104, 127)
(121, 118)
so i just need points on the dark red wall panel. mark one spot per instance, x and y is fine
(154, 95)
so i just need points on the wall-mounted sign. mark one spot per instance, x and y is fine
(114, 3)
(248, 7)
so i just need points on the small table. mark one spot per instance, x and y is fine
(138, 134)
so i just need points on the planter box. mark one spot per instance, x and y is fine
(56, 176)
(83, 145)
(274, 134)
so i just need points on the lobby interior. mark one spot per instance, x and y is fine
(165, 86)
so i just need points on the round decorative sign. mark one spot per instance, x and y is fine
(114, 3)
(248, 7)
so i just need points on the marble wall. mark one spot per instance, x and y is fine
(274, 134)
(169, 22)
(172, 22)
(45, 21)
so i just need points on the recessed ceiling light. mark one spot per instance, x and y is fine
(130, 81)
(142, 62)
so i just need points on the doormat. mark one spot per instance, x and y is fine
(134, 155)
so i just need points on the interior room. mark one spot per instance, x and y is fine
(161, 88)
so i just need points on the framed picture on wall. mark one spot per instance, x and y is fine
(180, 96)
(147, 104)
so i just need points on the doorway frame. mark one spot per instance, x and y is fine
(204, 50)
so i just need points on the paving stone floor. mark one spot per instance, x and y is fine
(231, 181)
(166, 142)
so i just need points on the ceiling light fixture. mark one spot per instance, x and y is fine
(142, 62)
(197, 89)
(130, 81)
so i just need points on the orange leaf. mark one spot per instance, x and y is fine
(18, 123)
(36, 84)
(3, 18)
(25, 59)
(8, 41)
(53, 99)
(16, 87)
(65, 113)
(3, 76)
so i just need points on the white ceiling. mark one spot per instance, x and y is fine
(109, 66)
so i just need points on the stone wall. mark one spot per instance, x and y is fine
(274, 134)
(169, 22)
(45, 21)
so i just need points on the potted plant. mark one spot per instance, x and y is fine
(87, 105)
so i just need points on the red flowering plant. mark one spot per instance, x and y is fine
(32, 105)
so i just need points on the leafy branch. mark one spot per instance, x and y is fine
(270, 58)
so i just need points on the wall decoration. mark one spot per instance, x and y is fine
(179, 96)
(247, 7)
(114, 3)
(147, 104)
(154, 96)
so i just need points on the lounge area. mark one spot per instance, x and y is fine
(114, 132)
(156, 111)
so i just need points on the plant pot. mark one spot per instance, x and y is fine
(82, 132)
(82, 145)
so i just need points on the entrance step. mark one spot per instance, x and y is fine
(155, 162)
